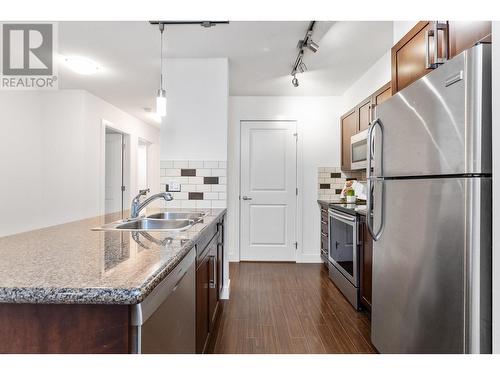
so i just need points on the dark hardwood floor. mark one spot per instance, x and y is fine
(281, 308)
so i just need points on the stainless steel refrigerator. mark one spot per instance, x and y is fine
(431, 195)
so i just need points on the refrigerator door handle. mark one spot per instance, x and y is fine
(369, 219)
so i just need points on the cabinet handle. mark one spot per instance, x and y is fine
(212, 283)
(324, 222)
(434, 33)
(324, 234)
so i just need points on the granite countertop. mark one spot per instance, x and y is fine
(71, 264)
(349, 208)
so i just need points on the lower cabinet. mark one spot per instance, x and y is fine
(209, 280)
(202, 328)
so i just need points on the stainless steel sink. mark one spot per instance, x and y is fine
(177, 215)
(148, 224)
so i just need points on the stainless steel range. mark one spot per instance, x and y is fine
(344, 253)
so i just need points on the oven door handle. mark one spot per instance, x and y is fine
(344, 218)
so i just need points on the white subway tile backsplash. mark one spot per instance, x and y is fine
(218, 172)
(219, 188)
(203, 204)
(188, 187)
(195, 164)
(204, 172)
(213, 189)
(172, 172)
(211, 195)
(211, 164)
(203, 188)
(166, 164)
(181, 164)
(195, 180)
(180, 195)
(188, 204)
(219, 204)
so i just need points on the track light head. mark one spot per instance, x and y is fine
(312, 45)
(295, 81)
(302, 67)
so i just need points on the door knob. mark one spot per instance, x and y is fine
(245, 198)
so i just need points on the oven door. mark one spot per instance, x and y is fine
(343, 249)
(359, 146)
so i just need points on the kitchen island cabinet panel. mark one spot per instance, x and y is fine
(64, 329)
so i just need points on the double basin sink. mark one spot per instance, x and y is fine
(159, 222)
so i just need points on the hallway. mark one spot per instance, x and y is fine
(288, 308)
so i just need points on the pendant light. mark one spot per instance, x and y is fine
(161, 96)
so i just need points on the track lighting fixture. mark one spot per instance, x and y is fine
(312, 45)
(307, 43)
(302, 67)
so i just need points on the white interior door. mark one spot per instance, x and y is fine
(268, 190)
(114, 172)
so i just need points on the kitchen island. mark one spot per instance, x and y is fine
(69, 289)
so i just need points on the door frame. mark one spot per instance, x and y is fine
(126, 170)
(298, 185)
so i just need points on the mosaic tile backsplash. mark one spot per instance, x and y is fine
(331, 181)
(203, 183)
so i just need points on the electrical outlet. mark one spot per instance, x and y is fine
(173, 187)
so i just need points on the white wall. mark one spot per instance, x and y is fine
(496, 187)
(373, 79)
(400, 28)
(319, 134)
(195, 127)
(51, 157)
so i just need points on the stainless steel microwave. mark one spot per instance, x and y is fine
(359, 148)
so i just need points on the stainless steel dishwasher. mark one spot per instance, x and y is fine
(165, 322)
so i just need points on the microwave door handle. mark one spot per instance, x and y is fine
(369, 198)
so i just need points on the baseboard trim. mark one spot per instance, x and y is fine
(226, 290)
(309, 258)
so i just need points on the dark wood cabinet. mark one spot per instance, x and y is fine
(202, 324)
(430, 43)
(213, 286)
(358, 119)
(348, 127)
(209, 280)
(364, 114)
(464, 34)
(380, 96)
(366, 263)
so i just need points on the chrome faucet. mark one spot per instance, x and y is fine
(137, 206)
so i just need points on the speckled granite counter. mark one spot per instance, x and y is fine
(71, 264)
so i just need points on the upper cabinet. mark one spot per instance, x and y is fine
(358, 119)
(429, 44)
(348, 127)
(364, 114)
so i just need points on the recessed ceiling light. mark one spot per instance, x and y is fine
(81, 65)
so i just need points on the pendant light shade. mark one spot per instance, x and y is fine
(161, 103)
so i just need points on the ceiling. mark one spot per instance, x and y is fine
(261, 55)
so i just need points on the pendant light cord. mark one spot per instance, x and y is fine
(162, 27)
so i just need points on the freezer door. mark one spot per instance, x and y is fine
(432, 266)
(441, 124)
